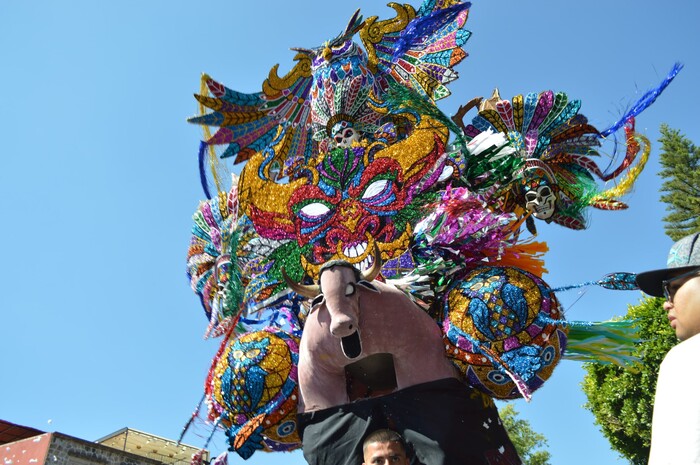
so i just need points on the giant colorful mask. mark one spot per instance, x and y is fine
(350, 200)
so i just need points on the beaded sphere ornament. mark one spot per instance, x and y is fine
(503, 329)
(252, 389)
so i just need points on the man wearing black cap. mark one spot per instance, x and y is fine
(675, 432)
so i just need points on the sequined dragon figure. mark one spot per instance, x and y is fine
(360, 207)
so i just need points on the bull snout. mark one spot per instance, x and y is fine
(345, 328)
(343, 325)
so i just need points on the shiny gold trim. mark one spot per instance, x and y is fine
(266, 195)
(410, 151)
(373, 31)
(274, 84)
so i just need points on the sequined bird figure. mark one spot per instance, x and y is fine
(324, 101)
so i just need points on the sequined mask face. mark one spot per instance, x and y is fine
(347, 201)
(351, 208)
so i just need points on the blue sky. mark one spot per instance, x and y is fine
(98, 327)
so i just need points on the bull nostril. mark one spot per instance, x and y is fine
(350, 327)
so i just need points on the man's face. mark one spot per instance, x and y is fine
(385, 453)
(684, 311)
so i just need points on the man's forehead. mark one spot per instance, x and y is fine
(377, 447)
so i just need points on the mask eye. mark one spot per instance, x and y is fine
(446, 173)
(376, 188)
(315, 210)
(349, 289)
(530, 196)
(545, 191)
(338, 139)
(318, 300)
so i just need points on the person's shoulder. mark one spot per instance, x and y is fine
(690, 348)
(692, 343)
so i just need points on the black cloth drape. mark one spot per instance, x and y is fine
(445, 422)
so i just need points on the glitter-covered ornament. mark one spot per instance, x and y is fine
(503, 329)
(252, 390)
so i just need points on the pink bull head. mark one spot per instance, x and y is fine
(337, 298)
(354, 322)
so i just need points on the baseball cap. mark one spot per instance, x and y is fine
(683, 257)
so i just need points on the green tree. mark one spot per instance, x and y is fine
(622, 399)
(527, 442)
(680, 161)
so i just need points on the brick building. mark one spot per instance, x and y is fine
(20, 445)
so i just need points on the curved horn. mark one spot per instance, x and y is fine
(458, 117)
(376, 266)
(353, 26)
(305, 51)
(310, 291)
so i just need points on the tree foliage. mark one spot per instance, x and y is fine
(622, 399)
(680, 161)
(527, 442)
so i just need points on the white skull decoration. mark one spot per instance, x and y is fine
(345, 135)
(540, 200)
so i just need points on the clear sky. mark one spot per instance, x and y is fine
(98, 327)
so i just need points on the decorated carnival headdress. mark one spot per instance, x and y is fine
(445, 217)
(417, 49)
(557, 145)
